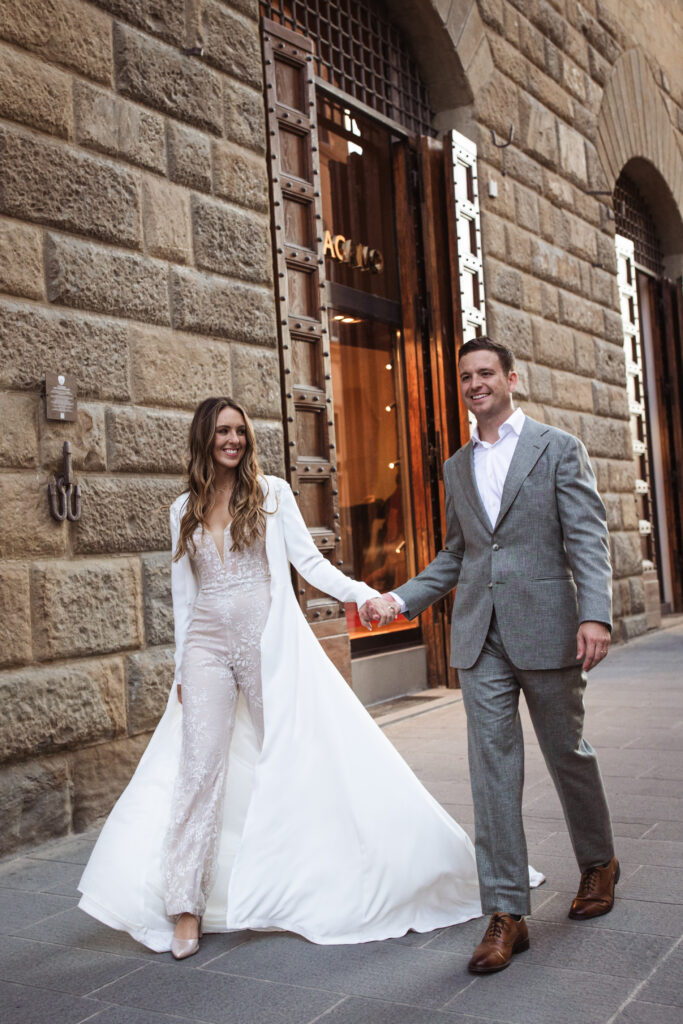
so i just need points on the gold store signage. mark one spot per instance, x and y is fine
(357, 255)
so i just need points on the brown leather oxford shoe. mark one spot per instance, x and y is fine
(596, 891)
(504, 936)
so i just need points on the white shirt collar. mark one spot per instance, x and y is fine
(513, 424)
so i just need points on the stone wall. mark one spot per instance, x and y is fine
(135, 255)
(549, 257)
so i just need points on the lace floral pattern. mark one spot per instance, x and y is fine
(222, 656)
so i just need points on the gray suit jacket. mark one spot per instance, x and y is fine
(544, 567)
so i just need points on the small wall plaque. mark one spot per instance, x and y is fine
(60, 397)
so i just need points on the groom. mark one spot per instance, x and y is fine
(527, 546)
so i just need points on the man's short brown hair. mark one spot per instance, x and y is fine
(486, 344)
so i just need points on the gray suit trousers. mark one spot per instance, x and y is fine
(554, 698)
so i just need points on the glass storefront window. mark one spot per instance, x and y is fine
(364, 318)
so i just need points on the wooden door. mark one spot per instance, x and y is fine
(431, 333)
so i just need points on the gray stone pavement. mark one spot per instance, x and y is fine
(58, 966)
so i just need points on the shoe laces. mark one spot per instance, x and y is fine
(496, 927)
(589, 881)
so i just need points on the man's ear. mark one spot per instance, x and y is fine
(513, 380)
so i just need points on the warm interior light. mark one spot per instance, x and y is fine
(339, 316)
(389, 366)
(348, 320)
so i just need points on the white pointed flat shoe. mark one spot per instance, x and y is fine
(182, 948)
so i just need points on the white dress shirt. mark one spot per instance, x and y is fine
(492, 462)
(491, 465)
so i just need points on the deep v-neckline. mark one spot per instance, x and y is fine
(221, 558)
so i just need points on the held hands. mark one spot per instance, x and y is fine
(381, 610)
(592, 644)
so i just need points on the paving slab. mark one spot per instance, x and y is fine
(62, 967)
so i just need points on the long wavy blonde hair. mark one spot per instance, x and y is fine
(246, 502)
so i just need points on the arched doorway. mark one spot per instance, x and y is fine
(652, 311)
(372, 297)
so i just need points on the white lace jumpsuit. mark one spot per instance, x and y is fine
(221, 656)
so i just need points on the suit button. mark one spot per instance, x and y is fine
(490, 586)
(496, 547)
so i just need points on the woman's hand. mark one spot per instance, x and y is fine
(180, 693)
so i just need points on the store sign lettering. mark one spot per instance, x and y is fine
(357, 255)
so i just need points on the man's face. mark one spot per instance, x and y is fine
(486, 389)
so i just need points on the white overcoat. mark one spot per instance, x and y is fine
(326, 830)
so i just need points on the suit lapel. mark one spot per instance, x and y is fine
(465, 468)
(529, 449)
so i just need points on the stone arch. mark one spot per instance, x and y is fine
(635, 133)
(449, 42)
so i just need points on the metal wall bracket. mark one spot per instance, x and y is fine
(64, 496)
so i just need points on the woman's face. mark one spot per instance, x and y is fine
(230, 439)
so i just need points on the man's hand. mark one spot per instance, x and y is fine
(180, 693)
(592, 643)
(381, 610)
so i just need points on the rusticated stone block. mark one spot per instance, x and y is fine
(230, 43)
(244, 116)
(140, 440)
(553, 264)
(271, 447)
(538, 131)
(509, 60)
(150, 677)
(165, 20)
(633, 626)
(86, 607)
(518, 247)
(189, 157)
(113, 125)
(582, 238)
(622, 476)
(606, 437)
(572, 154)
(553, 345)
(550, 94)
(205, 304)
(584, 347)
(89, 277)
(607, 255)
(614, 326)
(35, 800)
(563, 419)
(610, 362)
(526, 209)
(510, 327)
(86, 195)
(256, 380)
(523, 389)
(240, 177)
(601, 470)
(492, 13)
(156, 588)
(49, 709)
(160, 77)
(506, 284)
(612, 503)
(550, 302)
(578, 312)
(86, 436)
(540, 384)
(35, 94)
(496, 103)
(524, 168)
(601, 399)
(21, 260)
(600, 69)
(572, 392)
(629, 512)
(493, 235)
(99, 775)
(27, 528)
(166, 221)
(604, 288)
(230, 242)
(125, 514)
(248, 7)
(68, 32)
(15, 617)
(91, 348)
(169, 368)
(19, 437)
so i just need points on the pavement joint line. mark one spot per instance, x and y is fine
(325, 1013)
(417, 713)
(639, 987)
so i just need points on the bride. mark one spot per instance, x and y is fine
(267, 797)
